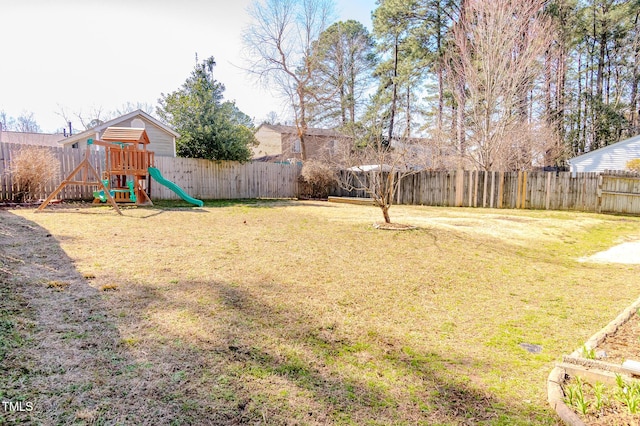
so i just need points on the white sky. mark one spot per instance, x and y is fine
(80, 55)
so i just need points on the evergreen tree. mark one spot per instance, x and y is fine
(209, 128)
(343, 58)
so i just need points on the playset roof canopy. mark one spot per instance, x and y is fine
(125, 135)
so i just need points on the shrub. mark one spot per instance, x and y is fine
(31, 169)
(316, 179)
(634, 165)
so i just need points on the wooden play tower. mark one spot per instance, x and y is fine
(125, 177)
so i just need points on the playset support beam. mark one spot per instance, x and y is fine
(87, 168)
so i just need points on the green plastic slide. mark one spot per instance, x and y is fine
(155, 174)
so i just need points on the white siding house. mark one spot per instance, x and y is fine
(162, 138)
(612, 157)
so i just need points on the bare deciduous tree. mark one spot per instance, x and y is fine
(279, 45)
(271, 118)
(95, 116)
(499, 46)
(26, 123)
(376, 166)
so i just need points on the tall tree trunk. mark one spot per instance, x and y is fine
(303, 126)
(439, 68)
(408, 115)
(343, 96)
(394, 94)
(460, 125)
(461, 98)
(352, 93)
(599, 100)
(561, 91)
(454, 122)
(548, 62)
(633, 101)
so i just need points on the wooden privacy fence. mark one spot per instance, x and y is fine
(67, 159)
(523, 190)
(610, 192)
(202, 179)
(619, 192)
(209, 180)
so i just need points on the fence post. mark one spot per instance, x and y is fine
(599, 202)
(484, 189)
(459, 188)
(524, 190)
(493, 189)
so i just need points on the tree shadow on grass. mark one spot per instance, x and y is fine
(364, 380)
(206, 353)
(63, 357)
(277, 364)
(239, 202)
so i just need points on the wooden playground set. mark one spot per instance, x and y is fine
(125, 179)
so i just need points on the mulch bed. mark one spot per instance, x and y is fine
(393, 226)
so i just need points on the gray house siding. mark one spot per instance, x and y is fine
(612, 157)
(162, 142)
(162, 138)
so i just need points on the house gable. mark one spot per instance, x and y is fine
(269, 142)
(162, 138)
(612, 157)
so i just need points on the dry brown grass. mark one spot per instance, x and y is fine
(57, 285)
(304, 313)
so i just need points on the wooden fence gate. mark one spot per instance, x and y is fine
(619, 192)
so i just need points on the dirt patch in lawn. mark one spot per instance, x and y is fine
(393, 226)
(627, 253)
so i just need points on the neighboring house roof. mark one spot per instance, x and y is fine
(91, 132)
(267, 158)
(24, 138)
(293, 130)
(370, 167)
(611, 157)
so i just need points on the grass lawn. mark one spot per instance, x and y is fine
(298, 312)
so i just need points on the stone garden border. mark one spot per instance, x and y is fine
(588, 369)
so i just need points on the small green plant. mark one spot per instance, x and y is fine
(575, 396)
(620, 381)
(570, 395)
(582, 403)
(589, 353)
(628, 394)
(598, 392)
